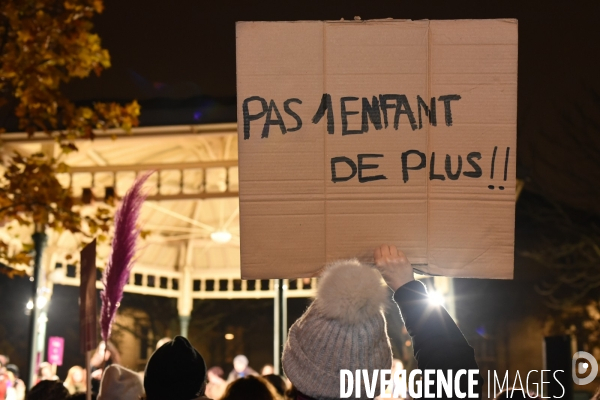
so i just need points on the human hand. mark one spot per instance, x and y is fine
(97, 374)
(393, 266)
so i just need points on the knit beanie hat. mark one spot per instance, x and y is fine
(344, 328)
(120, 383)
(176, 371)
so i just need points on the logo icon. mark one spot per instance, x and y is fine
(590, 364)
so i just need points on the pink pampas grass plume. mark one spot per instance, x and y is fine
(123, 249)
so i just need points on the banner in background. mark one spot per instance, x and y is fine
(88, 325)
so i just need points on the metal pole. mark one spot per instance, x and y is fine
(39, 242)
(279, 325)
(276, 329)
(185, 303)
(184, 325)
(283, 318)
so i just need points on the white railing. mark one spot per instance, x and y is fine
(171, 181)
(206, 284)
(142, 280)
(226, 284)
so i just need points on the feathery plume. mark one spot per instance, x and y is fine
(123, 249)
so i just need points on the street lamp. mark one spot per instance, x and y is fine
(40, 302)
(37, 309)
(220, 237)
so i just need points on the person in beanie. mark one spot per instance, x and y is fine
(175, 371)
(120, 383)
(344, 328)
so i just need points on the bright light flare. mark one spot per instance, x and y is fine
(436, 298)
(229, 336)
(221, 237)
(30, 305)
(41, 302)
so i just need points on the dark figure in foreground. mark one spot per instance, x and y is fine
(48, 390)
(251, 387)
(278, 383)
(175, 371)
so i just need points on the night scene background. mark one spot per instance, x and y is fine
(178, 60)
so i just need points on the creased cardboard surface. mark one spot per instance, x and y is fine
(356, 96)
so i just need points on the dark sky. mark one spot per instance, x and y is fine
(185, 49)
(189, 45)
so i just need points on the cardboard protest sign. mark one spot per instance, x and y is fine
(357, 133)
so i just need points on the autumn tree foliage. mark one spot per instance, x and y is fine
(32, 196)
(43, 45)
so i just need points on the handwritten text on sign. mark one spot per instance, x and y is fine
(380, 111)
(356, 133)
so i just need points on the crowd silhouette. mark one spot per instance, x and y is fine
(344, 328)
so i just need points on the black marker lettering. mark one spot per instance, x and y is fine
(448, 167)
(476, 173)
(345, 114)
(325, 106)
(269, 121)
(506, 163)
(383, 98)
(361, 167)
(493, 162)
(429, 111)
(371, 112)
(432, 174)
(447, 110)
(491, 187)
(505, 167)
(289, 111)
(401, 106)
(252, 117)
(351, 164)
(405, 166)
